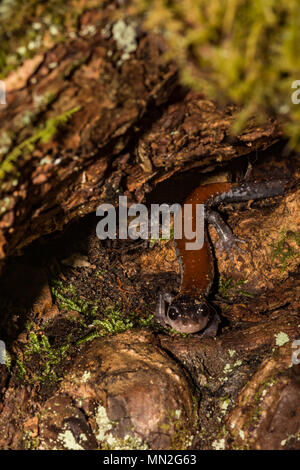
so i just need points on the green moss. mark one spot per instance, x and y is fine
(256, 406)
(21, 369)
(180, 431)
(88, 338)
(43, 135)
(161, 239)
(228, 288)
(112, 322)
(73, 67)
(109, 320)
(47, 357)
(66, 297)
(21, 37)
(40, 345)
(282, 251)
(144, 322)
(236, 50)
(30, 442)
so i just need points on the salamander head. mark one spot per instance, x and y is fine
(188, 314)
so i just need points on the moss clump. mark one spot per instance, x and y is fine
(40, 360)
(228, 288)
(243, 50)
(255, 412)
(21, 369)
(282, 251)
(181, 430)
(43, 135)
(104, 321)
(30, 441)
(67, 298)
(31, 26)
(183, 437)
(114, 321)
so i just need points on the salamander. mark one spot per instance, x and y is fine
(189, 311)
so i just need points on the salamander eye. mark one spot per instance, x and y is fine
(204, 310)
(173, 313)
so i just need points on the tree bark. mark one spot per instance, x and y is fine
(92, 122)
(90, 125)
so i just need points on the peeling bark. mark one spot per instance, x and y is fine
(88, 126)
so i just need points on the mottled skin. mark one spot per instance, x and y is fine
(189, 311)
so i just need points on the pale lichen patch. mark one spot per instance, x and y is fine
(224, 405)
(281, 338)
(227, 368)
(219, 444)
(125, 36)
(103, 423)
(237, 363)
(106, 439)
(68, 440)
(86, 376)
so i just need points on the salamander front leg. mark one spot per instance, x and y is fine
(212, 329)
(227, 241)
(164, 298)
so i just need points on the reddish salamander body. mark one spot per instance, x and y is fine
(189, 311)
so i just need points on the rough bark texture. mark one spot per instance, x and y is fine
(109, 129)
(92, 122)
